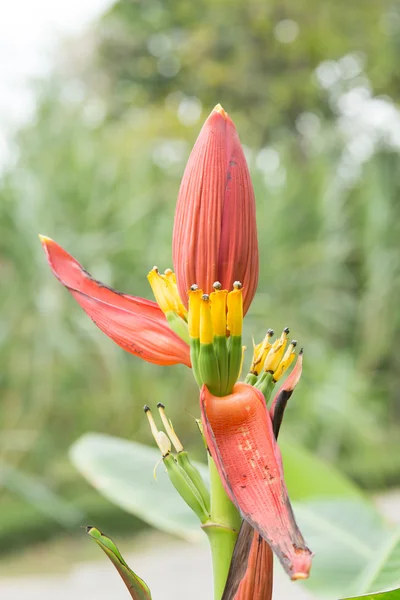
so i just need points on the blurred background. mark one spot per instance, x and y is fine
(100, 104)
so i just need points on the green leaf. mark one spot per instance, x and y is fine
(383, 571)
(355, 551)
(389, 595)
(40, 496)
(309, 477)
(350, 540)
(123, 472)
(136, 586)
(343, 535)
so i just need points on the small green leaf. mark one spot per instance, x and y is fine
(136, 586)
(389, 595)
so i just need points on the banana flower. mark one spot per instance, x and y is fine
(197, 321)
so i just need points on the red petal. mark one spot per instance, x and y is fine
(239, 435)
(215, 233)
(135, 324)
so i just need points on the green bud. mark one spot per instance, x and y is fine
(265, 384)
(186, 489)
(251, 378)
(221, 351)
(209, 369)
(183, 460)
(178, 325)
(195, 477)
(235, 361)
(194, 357)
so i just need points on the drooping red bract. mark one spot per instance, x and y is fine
(135, 324)
(238, 431)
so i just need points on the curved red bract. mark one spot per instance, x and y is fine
(136, 324)
(239, 435)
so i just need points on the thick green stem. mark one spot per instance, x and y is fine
(222, 530)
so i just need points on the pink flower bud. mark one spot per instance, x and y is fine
(215, 234)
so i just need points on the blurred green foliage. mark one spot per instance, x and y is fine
(312, 88)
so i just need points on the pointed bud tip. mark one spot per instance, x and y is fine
(294, 343)
(146, 408)
(286, 330)
(44, 239)
(297, 576)
(218, 108)
(301, 351)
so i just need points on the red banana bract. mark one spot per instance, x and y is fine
(239, 435)
(135, 324)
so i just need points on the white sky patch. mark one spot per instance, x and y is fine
(29, 32)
